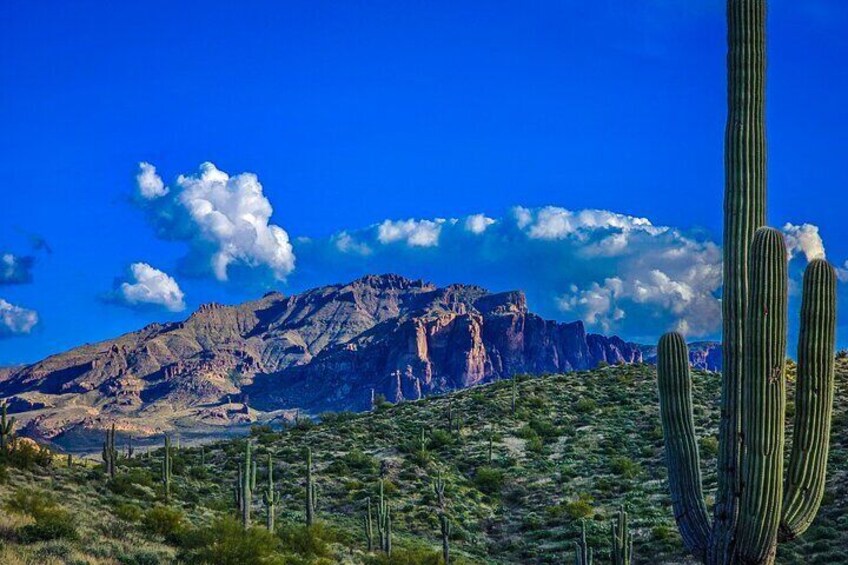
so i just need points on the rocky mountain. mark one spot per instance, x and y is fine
(332, 348)
(704, 355)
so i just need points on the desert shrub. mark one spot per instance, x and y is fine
(708, 446)
(585, 406)
(416, 556)
(27, 455)
(127, 484)
(489, 480)
(440, 439)
(164, 521)
(56, 524)
(225, 542)
(312, 542)
(128, 512)
(625, 467)
(580, 508)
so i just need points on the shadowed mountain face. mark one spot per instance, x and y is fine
(331, 348)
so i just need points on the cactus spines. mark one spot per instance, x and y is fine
(7, 428)
(445, 527)
(310, 489)
(622, 540)
(109, 453)
(167, 467)
(813, 401)
(681, 446)
(752, 511)
(369, 529)
(582, 551)
(384, 523)
(270, 496)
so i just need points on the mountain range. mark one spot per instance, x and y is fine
(337, 347)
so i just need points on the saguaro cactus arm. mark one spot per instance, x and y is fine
(764, 400)
(681, 446)
(805, 477)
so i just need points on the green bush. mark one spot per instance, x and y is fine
(489, 480)
(625, 467)
(52, 522)
(225, 542)
(580, 508)
(585, 406)
(164, 521)
(128, 512)
(312, 541)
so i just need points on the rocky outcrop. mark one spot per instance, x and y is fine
(330, 348)
(704, 355)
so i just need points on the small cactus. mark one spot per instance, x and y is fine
(7, 429)
(270, 496)
(167, 467)
(369, 529)
(311, 494)
(582, 551)
(622, 540)
(110, 453)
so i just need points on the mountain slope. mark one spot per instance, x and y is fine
(331, 348)
(576, 447)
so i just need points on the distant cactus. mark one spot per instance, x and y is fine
(167, 468)
(622, 540)
(70, 460)
(754, 507)
(384, 523)
(130, 449)
(491, 447)
(582, 551)
(110, 453)
(446, 532)
(311, 494)
(439, 489)
(369, 529)
(270, 496)
(245, 493)
(514, 392)
(422, 442)
(7, 429)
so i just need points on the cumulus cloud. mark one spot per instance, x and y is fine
(15, 320)
(226, 220)
(15, 269)
(415, 233)
(619, 273)
(478, 223)
(150, 184)
(150, 286)
(804, 239)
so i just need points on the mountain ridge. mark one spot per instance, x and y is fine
(335, 347)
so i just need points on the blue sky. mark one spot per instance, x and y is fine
(360, 120)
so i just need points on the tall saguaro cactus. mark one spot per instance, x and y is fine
(311, 494)
(755, 506)
(270, 496)
(622, 540)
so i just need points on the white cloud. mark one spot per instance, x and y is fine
(151, 286)
(347, 244)
(478, 223)
(552, 222)
(15, 269)
(416, 233)
(226, 220)
(804, 239)
(150, 184)
(15, 320)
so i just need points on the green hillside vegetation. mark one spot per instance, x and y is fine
(517, 485)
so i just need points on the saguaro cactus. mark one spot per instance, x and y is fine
(270, 496)
(369, 529)
(754, 507)
(622, 540)
(582, 551)
(110, 452)
(167, 467)
(445, 527)
(384, 523)
(310, 489)
(7, 429)
(246, 482)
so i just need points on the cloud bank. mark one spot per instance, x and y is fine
(618, 273)
(151, 287)
(15, 320)
(225, 220)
